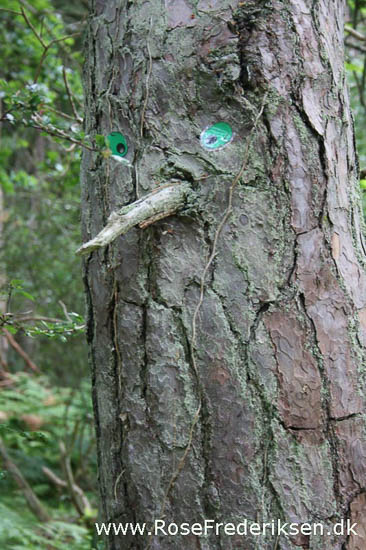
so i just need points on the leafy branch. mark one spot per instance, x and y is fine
(26, 106)
(38, 325)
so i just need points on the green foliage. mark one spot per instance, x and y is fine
(38, 89)
(43, 220)
(41, 94)
(17, 531)
(353, 67)
(35, 417)
(40, 143)
(100, 140)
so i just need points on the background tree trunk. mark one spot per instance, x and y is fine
(258, 413)
(3, 295)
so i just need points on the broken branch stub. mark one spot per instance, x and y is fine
(156, 205)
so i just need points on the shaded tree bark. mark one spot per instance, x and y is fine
(233, 388)
(3, 341)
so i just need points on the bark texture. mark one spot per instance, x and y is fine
(259, 413)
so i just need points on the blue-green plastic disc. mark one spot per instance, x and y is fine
(118, 144)
(216, 136)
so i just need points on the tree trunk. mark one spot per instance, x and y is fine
(226, 340)
(3, 297)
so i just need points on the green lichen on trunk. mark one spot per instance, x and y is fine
(275, 367)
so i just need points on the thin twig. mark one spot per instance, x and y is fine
(64, 309)
(14, 344)
(70, 96)
(56, 132)
(61, 114)
(147, 86)
(177, 470)
(45, 52)
(53, 477)
(36, 319)
(4, 365)
(116, 485)
(46, 48)
(355, 33)
(74, 435)
(11, 11)
(34, 11)
(84, 455)
(34, 504)
(33, 29)
(78, 497)
(63, 484)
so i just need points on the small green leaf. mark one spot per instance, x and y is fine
(354, 68)
(25, 294)
(11, 329)
(100, 140)
(16, 283)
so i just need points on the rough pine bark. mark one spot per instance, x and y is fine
(232, 388)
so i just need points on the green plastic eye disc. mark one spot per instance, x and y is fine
(118, 144)
(216, 136)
